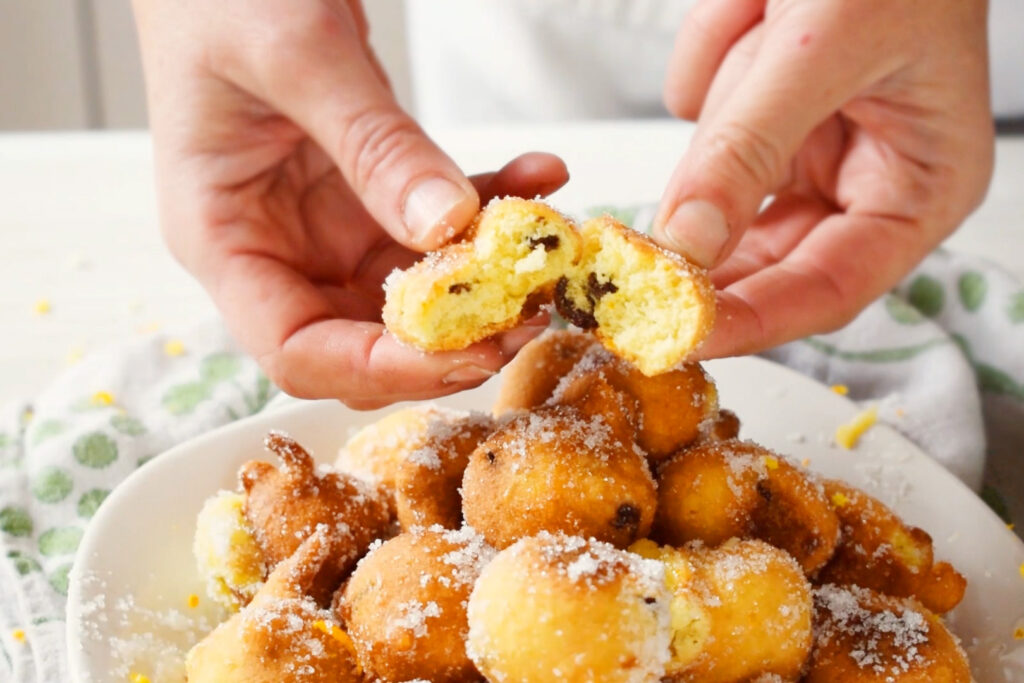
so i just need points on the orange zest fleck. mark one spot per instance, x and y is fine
(840, 499)
(771, 462)
(849, 434)
(18, 634)
(840, 389)
(174, 347)
(193, 600)
(1018, 633)
(806, 462)
(102, 398)
(136, 677)
(42, 307)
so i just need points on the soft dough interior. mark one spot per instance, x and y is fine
(519, 250)
(644, 305)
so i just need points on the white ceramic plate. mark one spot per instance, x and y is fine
(127, 606)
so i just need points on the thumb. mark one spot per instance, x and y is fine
(322, 78)
(804, 71)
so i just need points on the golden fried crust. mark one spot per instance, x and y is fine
(867, 637)
(647, 305)
(740, 610)
(281, 632)
(284, 505)
(405, 605)
(375, 451)
(558, 470)
(725, 426)
(717, 490)
(529, 380)
(670, 408)
(429, 477)
(880, 552)
(559, 608)
(497, 274)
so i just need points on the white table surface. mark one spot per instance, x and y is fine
(78, 227)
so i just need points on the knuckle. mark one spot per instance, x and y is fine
(374, 141)
(746, 155)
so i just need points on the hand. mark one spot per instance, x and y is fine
(291, 184)
(868, 120)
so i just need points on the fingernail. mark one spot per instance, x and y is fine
(697, 230)
(430, 204)
(467, 373)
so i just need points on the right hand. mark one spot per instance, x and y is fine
(291, 183)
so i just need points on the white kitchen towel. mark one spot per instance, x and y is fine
(936, 355)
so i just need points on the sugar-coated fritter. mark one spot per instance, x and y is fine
(739, 611)
(881, 552)
(429, 477)
(558, 470)
(553, 607)
(405, 605)
(718, 490)
(284, 505)
(647, 305)
(227, 554)
(493, 276)
(671, 408)
(864, 636)
(531, 377)
(282, 635)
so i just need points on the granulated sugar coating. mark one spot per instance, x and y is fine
(404, 606)
(562, 485)
(284, 505)
(865, 636)
(669, 409)
(557, 469)
(723, 489)
(584, 611)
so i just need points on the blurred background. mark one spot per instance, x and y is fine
(75, 63)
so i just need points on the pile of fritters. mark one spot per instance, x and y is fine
(598, 525)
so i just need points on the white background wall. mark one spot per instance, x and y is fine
(75, 63)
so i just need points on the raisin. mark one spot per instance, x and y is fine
(567, 308)
(597, 289)
(550, 242)
(626, 516)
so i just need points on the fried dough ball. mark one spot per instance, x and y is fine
(647, 305)
(405, 604)
(671, 407)
(558, 470)
(283, 507)
(738, 611)
(226, 552)
(878, 551)
(531, 377)
(417, 455)
(374, 452)
(725, 426)
(282, 635)
(864, 636)
(429, 477)
(717, 490)
(495, 275)
(561, 608)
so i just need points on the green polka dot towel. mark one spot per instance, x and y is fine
(62, 454)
